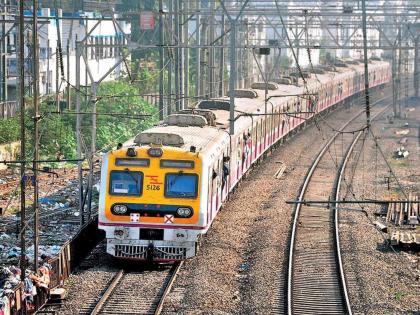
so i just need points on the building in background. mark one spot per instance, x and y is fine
(99, 43)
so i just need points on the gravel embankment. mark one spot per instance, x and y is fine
(382, 281)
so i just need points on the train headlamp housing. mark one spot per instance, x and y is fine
(131, 152)
(120, 209)
(155, 152)
(121, 233)
(184, 212)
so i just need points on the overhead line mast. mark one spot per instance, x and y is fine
(35, 79)
(365, 59)
(22, 229)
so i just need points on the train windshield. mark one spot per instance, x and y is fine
(126, 183)
(178, 185)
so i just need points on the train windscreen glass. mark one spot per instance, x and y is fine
(126, 183)
(178, 185)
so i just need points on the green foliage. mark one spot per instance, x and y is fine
(9, 130)
(57, 132)
(398, 295)
(146, 80)
(56, 136)
(118, 97)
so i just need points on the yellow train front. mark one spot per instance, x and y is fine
(150, 197)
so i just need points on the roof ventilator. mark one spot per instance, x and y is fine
(305, 74)
(245, 93)
(186, 120)
(317, 70)
(163, 138)
(352, 62)
(214, 104)
(207, 114)
(294, 80)
(329, 68)
(283, 80)
(263, 86)
(340, 64)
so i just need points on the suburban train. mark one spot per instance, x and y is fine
(161, 191)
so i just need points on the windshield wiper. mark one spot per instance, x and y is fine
(136, 180)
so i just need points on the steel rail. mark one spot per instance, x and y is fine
(336, 195)
(297, 212)
(104, 300)
(336, 221)
(168, 287)
(114, 283)
(299, 205)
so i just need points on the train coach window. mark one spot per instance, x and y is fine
(180, 185)
(126, 183)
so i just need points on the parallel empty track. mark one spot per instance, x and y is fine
(315, 278)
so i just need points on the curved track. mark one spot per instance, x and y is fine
(139, 292)
(315, 278)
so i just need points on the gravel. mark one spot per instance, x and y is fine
(382, 281)
(87, 284)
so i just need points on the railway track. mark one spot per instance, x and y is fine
(315, 278)
(136, 292)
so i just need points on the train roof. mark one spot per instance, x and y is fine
(203, 136)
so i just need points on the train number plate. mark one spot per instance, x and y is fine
(152, 187)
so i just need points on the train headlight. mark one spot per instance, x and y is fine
(184, 212)
(121, 233)
(120, 209)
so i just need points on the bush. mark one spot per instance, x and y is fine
(57, 132)
(118, 97)
(9, 130)
(56, 136)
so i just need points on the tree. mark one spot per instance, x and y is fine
(57, 132)
(9, 130)
(118, 97)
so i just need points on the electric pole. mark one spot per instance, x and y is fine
(365, 58)
(3, 62)
(212, 76)
(177, 56)
(416, 67)
(161, 61)
(185, 35)
(35, 81)
(222, 58)
(198, 79)
(232, 75)
(79, 132)
(399, 70)
(22, 140)
(169, 52)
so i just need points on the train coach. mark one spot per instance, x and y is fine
(161, 191)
